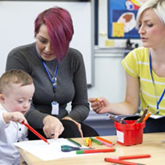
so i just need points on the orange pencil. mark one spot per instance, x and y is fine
(104, 140)
(147, 116)
(35, 132)
(89, 143)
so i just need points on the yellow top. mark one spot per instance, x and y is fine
(136, 64)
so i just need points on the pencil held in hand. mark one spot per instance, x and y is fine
(35, 132)
(100, 103)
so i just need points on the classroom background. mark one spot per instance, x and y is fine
(107, 76)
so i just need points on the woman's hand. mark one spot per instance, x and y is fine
(53, 128)
(100, 105)
(78, 124)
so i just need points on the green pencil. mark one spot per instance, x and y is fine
(74, 142)
(96, 141)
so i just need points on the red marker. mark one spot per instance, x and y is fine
(35, 132)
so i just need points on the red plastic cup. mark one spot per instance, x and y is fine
(130, 133)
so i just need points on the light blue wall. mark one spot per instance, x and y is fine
(17, 27)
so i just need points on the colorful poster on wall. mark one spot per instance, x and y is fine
(123, 12)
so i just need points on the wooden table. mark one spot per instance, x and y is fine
(152, 144)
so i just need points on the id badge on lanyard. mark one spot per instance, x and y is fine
(55, 108)
(55, 105)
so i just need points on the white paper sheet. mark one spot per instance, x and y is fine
(45, 151)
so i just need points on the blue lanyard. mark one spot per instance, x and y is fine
(161, 97)
(54, 80)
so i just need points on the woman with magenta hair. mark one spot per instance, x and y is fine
(59, 77)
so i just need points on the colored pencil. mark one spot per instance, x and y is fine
(105, 143)
(89, 143)
(132, 157)
(35, 132)
(116, 119)
(86, 142)
(104, 140)
(96, 141)
(95, 151)
(120, 161)
(143, 116)
(147, 116)
(74, 142)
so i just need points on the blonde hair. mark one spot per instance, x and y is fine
(157, 5)
(14, 77)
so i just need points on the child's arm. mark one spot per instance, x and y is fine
(14, 116)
